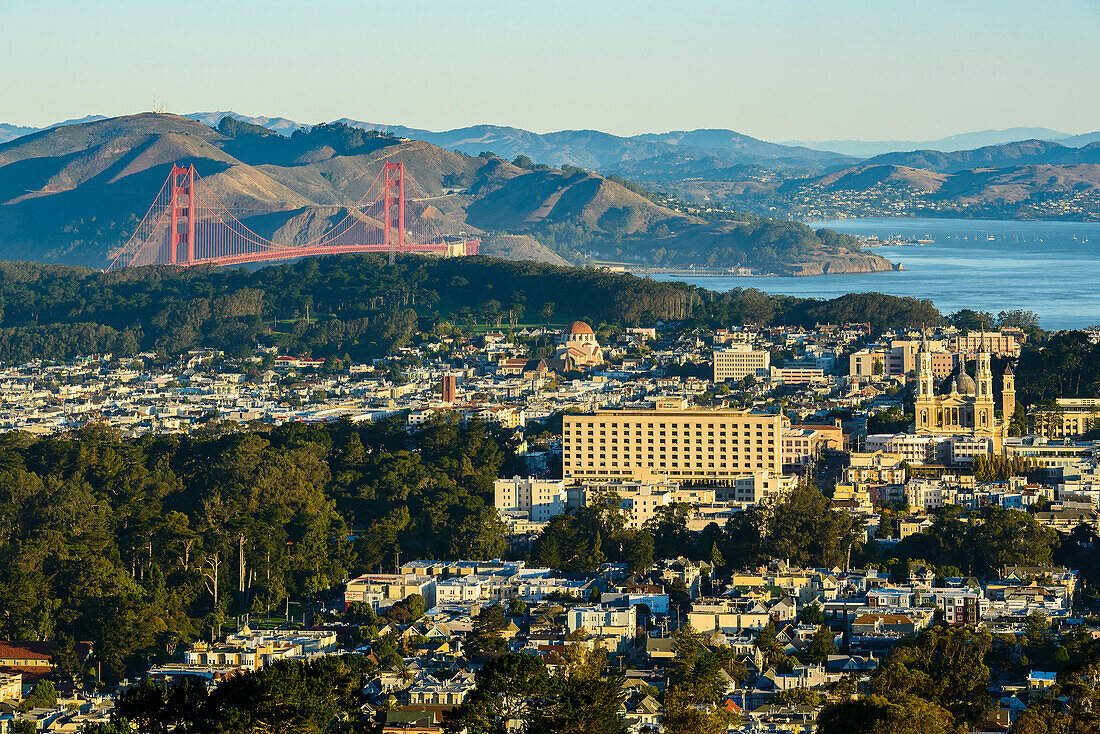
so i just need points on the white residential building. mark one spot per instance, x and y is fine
(752, 489)
(924, 495)
(616, 626)
(910, 447)
(383, 590)
(800, 445)
(538, 499)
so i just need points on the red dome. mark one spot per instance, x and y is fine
(578, 328)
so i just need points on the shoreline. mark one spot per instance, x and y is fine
(792, 276)
(834, 220)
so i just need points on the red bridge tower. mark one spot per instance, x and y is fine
(182, 183)
(393, 192)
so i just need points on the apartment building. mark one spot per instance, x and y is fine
(461, 589)
(964, 449)
(674, 443)
(739, 361)
(832, 434)
(925, 495)
(1072, 418)
(640, 500)
(876, 467)
(960, 606)
(912, 448)
(900, 358)
(995, 342)
(751, 489)
(537, 499)
(383, 590)
(11, 686)
(713, 615)
(867, 363)
(801, 446)
(1051, 455)
(444, 694)
(612, 627)
(797, 375)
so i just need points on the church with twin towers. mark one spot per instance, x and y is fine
(961, 405)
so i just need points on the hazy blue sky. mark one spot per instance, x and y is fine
(775, 69)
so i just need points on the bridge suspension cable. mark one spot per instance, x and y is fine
(188, 225)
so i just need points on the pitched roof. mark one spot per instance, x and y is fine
(18, 650)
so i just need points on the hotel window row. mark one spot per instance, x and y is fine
(687, 444)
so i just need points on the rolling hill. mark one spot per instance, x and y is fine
(1031, 190)
(11, 132)
(72, 194)
(862, 177)
(1024, 152)
(1009, 184)
(1022, 179)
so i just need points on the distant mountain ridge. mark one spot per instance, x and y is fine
(961, 141)
(600, 150)
(583, 148)
(1025, 152)
(11, 132)
(604, 151)
(701, 166)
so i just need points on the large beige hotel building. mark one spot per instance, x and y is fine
(674, 442)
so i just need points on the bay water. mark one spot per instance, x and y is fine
(1051, 268)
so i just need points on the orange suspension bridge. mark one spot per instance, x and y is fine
(187, 225)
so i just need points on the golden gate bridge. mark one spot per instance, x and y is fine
(187, 225)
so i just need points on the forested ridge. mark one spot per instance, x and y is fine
(120, 542)
(361, 307)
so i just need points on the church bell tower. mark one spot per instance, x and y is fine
(1008, 395)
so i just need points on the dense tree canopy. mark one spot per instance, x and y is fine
(695, 685)
(592, 535)
(285, 697)
(933, 684)
(983, 543)
(516, 693)
(134, 544)
(1068, 366)
(362, 307)
(801, 529)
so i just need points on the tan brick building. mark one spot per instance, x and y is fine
(678, 443)
(740, 361)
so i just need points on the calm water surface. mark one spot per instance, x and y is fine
(1051, 268)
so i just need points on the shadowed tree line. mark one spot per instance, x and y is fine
(358, 305)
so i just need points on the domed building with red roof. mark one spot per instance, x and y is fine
(577, 348)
